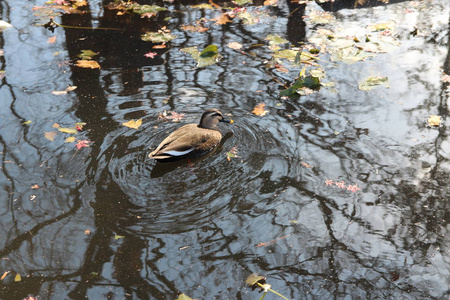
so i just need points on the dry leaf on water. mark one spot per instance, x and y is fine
(71, 130)
(222, 19)
(4, 275)
(234, 45)
(51, 40)
(133, 124)
(89, 64)
(270, 2)
(259, 110)
(434, 121)
(50, 135)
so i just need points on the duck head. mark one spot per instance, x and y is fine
(211, 117)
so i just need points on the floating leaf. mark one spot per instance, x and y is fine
(253, 279)
(71, 130)
(203, 6)
(270, 2)
(50, 135)
(133, 124)
(184, 297)
(151, 54)
(209, 51)
(222, 19)
(321, 17)
(88, 64)
(350, 55)
(242, 2)
(27, 122)
(259, 110)
(158, 37)
(4, 275)
(87, 54)
(70, 139)
(59, 92)
(175, 117)
(202, 61)
(434, 121)
(35, 186)
(18, 277)
(248, 18)
(371, 82)
(276, 39)
(192, 28)
(116, 237)
(82, 144)
(302, 86)
(382, 26)
(234, 45)
(51, 40)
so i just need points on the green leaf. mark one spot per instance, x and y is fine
(116, 237)
(158, 37)
(209, 51)
(202, 61)
(145, 9)
(87, 54)
(276, 39)
(203, 6)
(302, 86)
(371, 82)
(242, 2)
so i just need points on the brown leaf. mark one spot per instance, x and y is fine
(162, 46)
(56, 125)
(50, 135)
(92, 64)
(192, 28)
(222, 19)
(306, 165)
(259, 110)
(35, 186)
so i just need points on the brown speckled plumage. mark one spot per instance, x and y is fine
(191, 140)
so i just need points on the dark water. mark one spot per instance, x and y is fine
(108, 223)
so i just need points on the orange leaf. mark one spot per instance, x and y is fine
(259, 110)
(92, 64)
(50, 135)
(4, 275)
(35, 186)
(133, 123)
(162, 46)
(51, 40)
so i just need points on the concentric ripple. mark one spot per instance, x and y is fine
(177, 196)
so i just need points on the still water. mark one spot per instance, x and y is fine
(339, 194)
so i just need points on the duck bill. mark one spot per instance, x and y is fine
(227, 121)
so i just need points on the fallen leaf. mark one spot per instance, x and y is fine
(222, 19)
(253, 279)
(259, 110)
(87, 231)
(371, 82)
(81, 144)
(87, 54)
(71, 88)
(116, 237)
(151, 54)
(51, 40)
(133, 124)
(27, 122)
(306, 165)
(92, 64)
(434, 121)
(17, 278)
(50, 135)
(70, 139)
(270, 2)
(184, 297)
(162, 46)
(192, 28)
(55, 125)
(35, 186)
(32, 197)
(71, 130)
(234, 45)
(4, 275)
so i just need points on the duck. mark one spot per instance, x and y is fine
(192, 140)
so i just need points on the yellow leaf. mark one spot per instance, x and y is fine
(259, 110)
(70, 139)
(56, 125)
(270, 2)
(27, 122)
(59, 92)
(68, 130)
(35, 186)
(133, 123)
(87, 64)
(50, 135)
(18, 277)
(234, 45)
(434, 120)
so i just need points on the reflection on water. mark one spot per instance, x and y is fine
(340, 194)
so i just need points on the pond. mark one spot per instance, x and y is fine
(332, 182)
